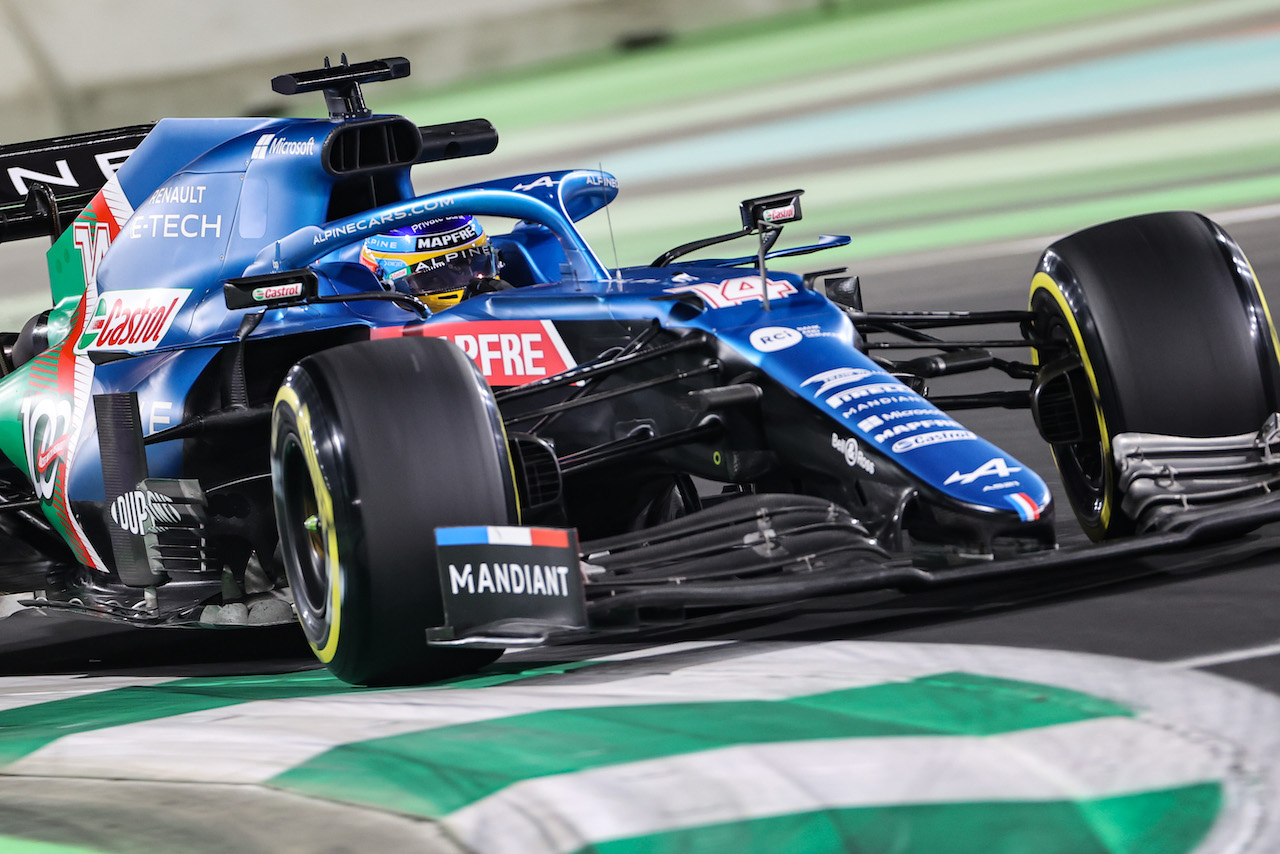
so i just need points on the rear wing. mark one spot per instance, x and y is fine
(44, 184)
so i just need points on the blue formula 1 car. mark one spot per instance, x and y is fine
(239, 411)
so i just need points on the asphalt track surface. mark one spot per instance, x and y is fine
(1209, 612)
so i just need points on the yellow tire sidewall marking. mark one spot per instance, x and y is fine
(511, 469)
(1266, 311)
(1045, 282)
(286, 396)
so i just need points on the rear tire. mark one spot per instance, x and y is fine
(1160, 321)
(374, 446)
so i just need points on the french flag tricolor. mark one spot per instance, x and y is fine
(495, 535)
(1027, 509)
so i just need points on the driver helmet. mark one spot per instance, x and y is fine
(434, 261)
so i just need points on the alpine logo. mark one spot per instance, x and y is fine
(545, 181)
(996, 467)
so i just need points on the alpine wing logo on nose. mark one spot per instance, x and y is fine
(996, 467)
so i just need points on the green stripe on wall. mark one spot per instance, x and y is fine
(14, 845)
(1172, 821)
(438, 771)
(739, 58)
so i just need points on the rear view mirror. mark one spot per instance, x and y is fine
(274, 290)
(775, 209)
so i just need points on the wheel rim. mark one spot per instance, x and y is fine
(1083, 478)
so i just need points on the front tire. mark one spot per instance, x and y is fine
(1152, 324)
(374, 446)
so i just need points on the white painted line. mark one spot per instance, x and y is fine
(943, 257)
(1225, 657)
(1254, 214)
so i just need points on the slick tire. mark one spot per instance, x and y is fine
(375, 445)
(1158, 324)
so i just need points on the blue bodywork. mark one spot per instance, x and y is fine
(208, 201)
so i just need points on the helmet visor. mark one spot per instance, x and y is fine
(448, 272)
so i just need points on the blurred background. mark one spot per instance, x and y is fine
(929, 130)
